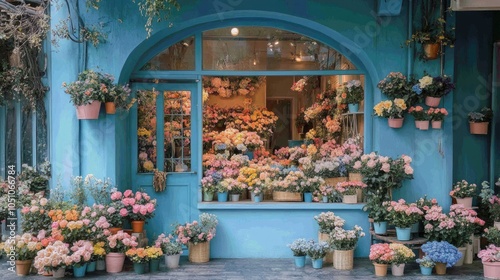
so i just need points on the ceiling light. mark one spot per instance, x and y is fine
(185, 43)
(235, 31)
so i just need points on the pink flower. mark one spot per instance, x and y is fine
(127, 193)
(111, 210)
(123, 212)
(150, 207)
(116, 195)
(138, 196)
(408, 170)
(386, 168)
(144, 210)
(136, 208)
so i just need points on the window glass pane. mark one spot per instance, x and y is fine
(265, 48)
(146, 131)
(27, 137)
(41, 133)
(177, 130)
(10, 137)
(179, 56)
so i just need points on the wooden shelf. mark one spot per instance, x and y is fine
(390, 237)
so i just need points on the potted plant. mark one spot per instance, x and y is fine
(433, 88)
(137, 207)
(463, 192)
(479, 121)
(25, 248)
(343, 243)
(117, 96)
(208, 184)
(224, 187)
(396, 85)
(492, 234)
(310, 185)
(87, 93)
(490, 257)
(426, 265)
(327, 222)
(403, 215)
(116, 246)
(52, 258)
(139, 257)
(437, 116)
(392, 110)
(154, 254)
(402, 255)
(237, 188)
(286, 185)
(299, 249)
(352, 92)
(172, 249)
(80, 254)
(197, 236)
(98, 255)
(381, 256)
(421, 117)
(491, 201)
(317, 251)
(442, 253)
(349, 190)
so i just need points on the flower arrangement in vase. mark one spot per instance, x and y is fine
(479, 121)
(392, 110)
(442, 252)
(463, 192)
(421, 117)
(437, 116)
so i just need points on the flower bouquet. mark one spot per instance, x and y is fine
(327, 222)
(381, 253)
(120, 242)
(402, 214)
(490, 254)
(442, 252)
(81, 253)
(36, 215)
(350, 187)
(136, 206)
(52, 257)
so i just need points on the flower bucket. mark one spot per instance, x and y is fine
(491, 270)
(222, 197)
(91, 266)
(154, 265)
(426, 270)
(137, 226)
(89, 111)
(432, 101)
(317, 263)
(287, 196)
(380, 269)
(300, 261)
(343, 259)
(59, 273)
(329, 256)
(350, 199)
(235, 197)
(380, 227)
(398, 269)
(114, 262)
(403, 234)
(440, 268)
(395, 123)
(436, 124)
(308, 197)
(139, 268)
(199, 253)
(110, 108)
(422, 125)
(172, 261)
(466, 202)
(431, 51)
(462, 250)
(478, 127)
(335, 180)
(79, 270)
(208, 196)
(100, 265)
(353, 108)
(23, 267)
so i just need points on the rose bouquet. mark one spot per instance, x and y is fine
(341, 239)
(137, 207)
(299, 247)
(490, 254)
(402, 254)
(120, 242)
(402, 214)
(381, 253)
(317, 250)
(327, 222)
(463, 189)
(442, 251)
(349, 187)
(137, 255)
(198, 232)
(52, 257)
(81, 252)
(168, 244)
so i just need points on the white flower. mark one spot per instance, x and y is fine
(425, 81)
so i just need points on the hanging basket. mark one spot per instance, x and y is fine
(478, 127)
(89, 111)
(395, 123)
(432, 101)
(431, 51)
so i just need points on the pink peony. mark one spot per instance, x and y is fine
(116, 196)
(127, 193)
(123, 212)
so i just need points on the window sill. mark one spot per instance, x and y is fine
(272, 205)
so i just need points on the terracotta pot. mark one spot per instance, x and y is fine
(431, 51)
(432, 101)
(110, 108)
(380, 269)
(137, 226)
(440, 268)
(115, 230)
(89, 111)
(395, 123)
(422, 125)
(436, 124)
(478, 127)
(23, 267)
(466, 202)
(114, 262)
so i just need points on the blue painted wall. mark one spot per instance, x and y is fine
(102, 147)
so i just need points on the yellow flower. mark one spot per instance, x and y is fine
(148, 165)
(400, 103)
(143, 132)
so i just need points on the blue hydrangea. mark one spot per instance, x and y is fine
(442, 251)
(416, 88)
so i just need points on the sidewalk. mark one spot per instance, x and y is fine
(260, 269)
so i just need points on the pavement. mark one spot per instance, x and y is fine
(260, 269)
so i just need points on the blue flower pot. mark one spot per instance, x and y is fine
(249, 154)
(154, 265)
(308, 197)
(318, 263)
(222, 197)
(139, 268)
(415, 228)
(353, 108)
(325, 199)
(256, 198)
(79, 270)
(380, 227)
(403, 234)
(91, 266)
(426, 270)
(300, 261)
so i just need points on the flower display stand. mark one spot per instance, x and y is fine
(287, 196)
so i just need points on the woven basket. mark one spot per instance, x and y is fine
(357, 177)
(287, 196)
(199, 253)
(333, 181)
(343, 259)
(325, 237)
